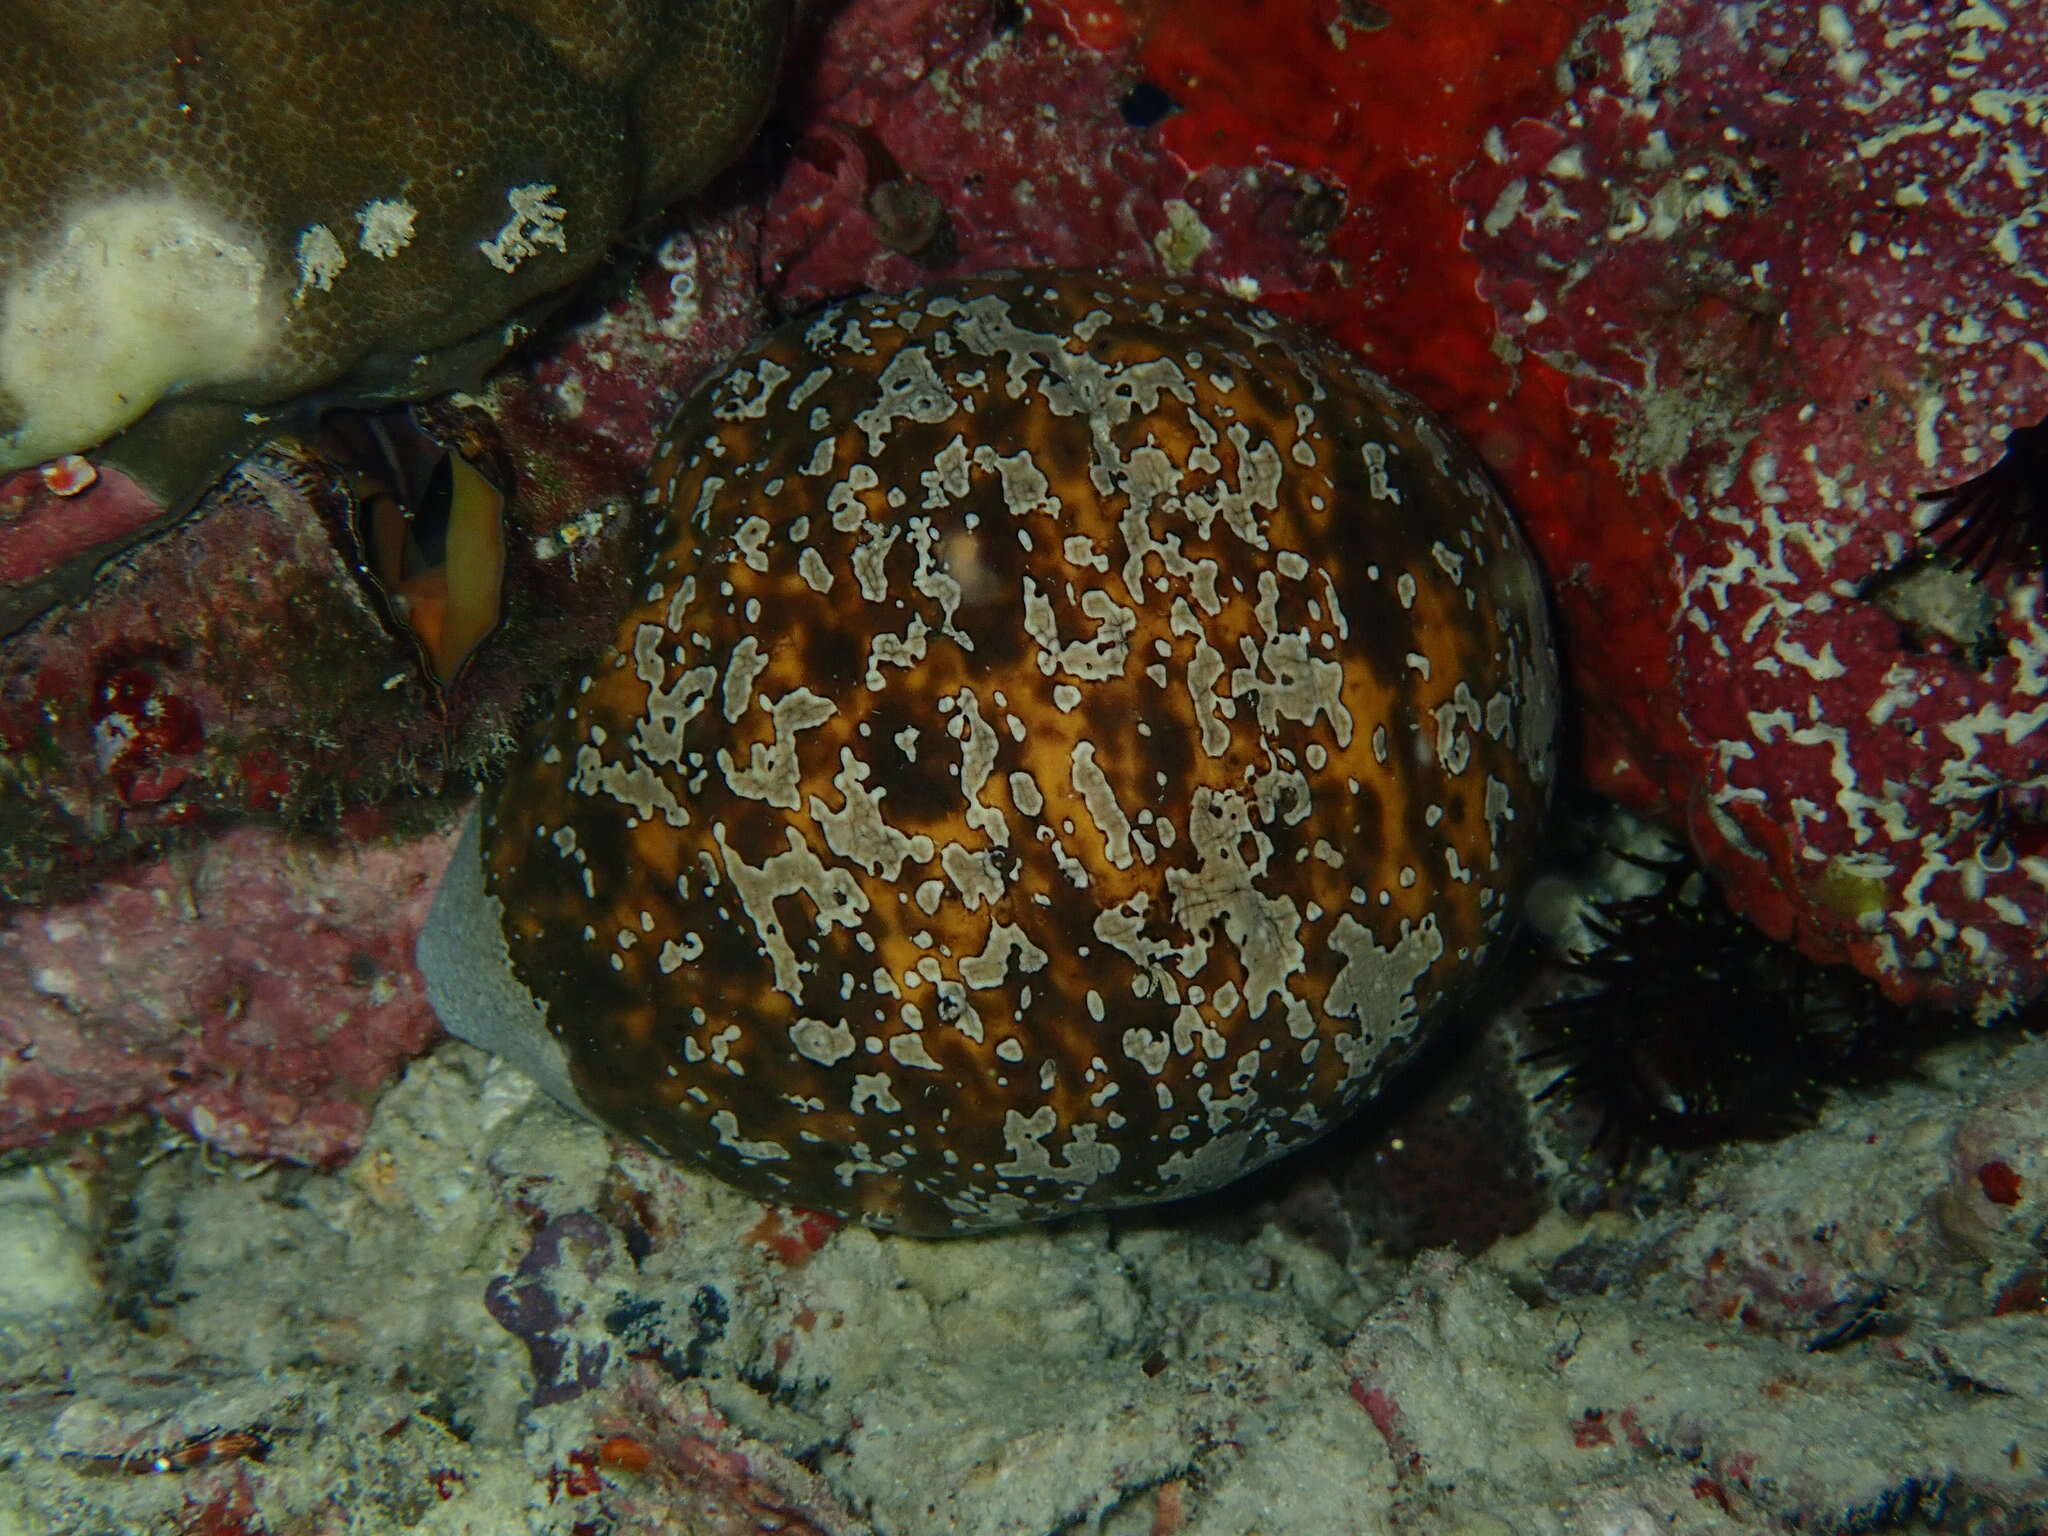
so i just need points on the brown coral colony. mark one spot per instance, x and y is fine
(1073, 740)
(210, 212)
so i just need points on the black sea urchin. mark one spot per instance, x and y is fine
(1689, 1028)
(2002, 514)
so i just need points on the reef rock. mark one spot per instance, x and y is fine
(1800, 267)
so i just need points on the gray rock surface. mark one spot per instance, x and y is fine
(497, 1320)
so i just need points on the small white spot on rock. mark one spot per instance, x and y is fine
(535, 222)
(386, 224)
(320, 259)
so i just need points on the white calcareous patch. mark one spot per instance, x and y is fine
(138, 296)
(536, 220)
(385, 226)
(320, 261)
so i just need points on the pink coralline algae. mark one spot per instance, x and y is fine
(1800, 264)
(56, 522)
(257, 994)
(953, 137)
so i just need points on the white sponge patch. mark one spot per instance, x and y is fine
(144, 295)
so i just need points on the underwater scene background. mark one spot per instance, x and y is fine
(1480, 578)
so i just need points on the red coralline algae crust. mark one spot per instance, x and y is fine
(1799, 265)
(256, 992)
(957, 137)
(57, 511)
(584, 413)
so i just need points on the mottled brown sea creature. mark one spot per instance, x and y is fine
(1074, 739)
